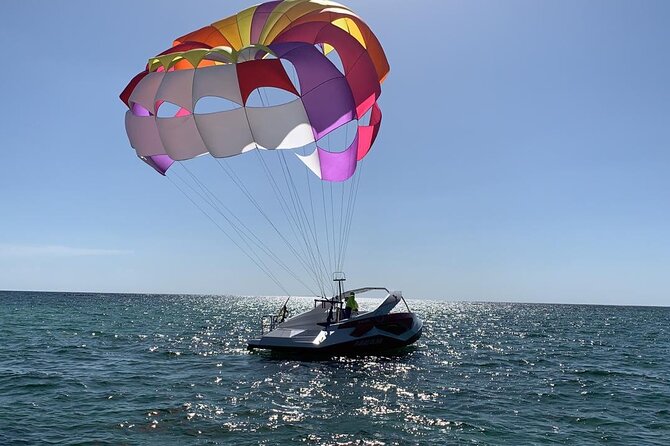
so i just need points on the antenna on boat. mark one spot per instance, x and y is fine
(339, 277)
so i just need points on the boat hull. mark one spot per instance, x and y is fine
(362, 335)
(368, 346)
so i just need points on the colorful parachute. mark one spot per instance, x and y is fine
(232, 58)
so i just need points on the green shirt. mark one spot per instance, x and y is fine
(351, 303)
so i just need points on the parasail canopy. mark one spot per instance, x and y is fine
(226, 62)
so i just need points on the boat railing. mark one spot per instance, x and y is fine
(326, 303)
(333, 305)
(269, 323)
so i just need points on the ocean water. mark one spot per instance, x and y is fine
(150, 369)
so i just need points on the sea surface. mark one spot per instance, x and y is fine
(164, 370)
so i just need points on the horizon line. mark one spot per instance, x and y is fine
(137, 293)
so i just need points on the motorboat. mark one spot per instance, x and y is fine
(326, 329)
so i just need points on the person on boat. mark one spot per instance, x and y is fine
(282, 314)
(351, 306)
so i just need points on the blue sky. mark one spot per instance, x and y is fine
(524, 154)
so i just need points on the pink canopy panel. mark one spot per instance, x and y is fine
(232, 58)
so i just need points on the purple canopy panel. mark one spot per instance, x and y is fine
(338, 166)
(329, 106)
(358, 66)
(282, 48)
(260, 17)
(312, 67)
(161, 163)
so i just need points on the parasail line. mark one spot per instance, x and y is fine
(332, 219)
(269, 274)
(299, 210)
(339, 255)
(312, 230)
(311, 204)
(302, 216)
(353, 208)
(325, 220)
(251, 236)
(301, 228)
(306, 219)
(348, 215)
(298, 222)
(286, 210)
(246, 192)
(243, 237)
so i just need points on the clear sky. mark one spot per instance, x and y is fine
(524, 154)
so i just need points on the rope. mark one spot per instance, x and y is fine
(268, 273)
(238, 182)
